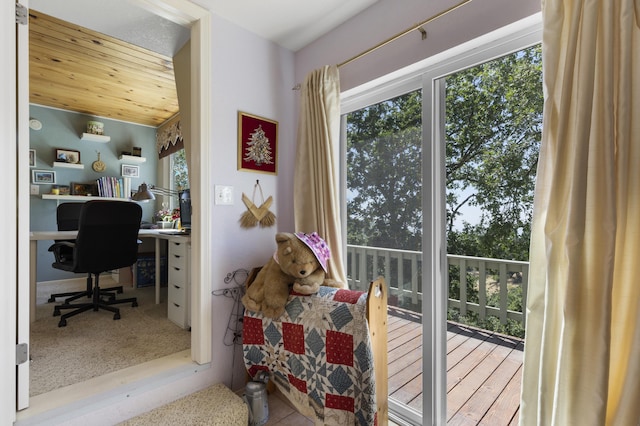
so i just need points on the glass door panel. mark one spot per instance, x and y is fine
(384, 230)
(493, 125)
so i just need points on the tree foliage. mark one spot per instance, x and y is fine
(384, 175)
(493, 129)
(180, 171)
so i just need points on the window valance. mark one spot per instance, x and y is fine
(169, 137)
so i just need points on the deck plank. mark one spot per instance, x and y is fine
(483, 368)
(483, 371)
(483, 399)
(507, 401)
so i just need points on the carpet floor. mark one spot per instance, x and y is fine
(215, 406)
(93, 344)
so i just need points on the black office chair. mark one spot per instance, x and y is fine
(107, 239)
(67, 216)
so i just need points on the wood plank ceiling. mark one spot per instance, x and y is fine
(77, 69)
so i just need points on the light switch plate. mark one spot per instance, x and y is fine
(35, 190)
(224, 194)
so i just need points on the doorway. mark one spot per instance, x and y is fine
(197, 19)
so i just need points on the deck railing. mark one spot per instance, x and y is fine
(493, 279)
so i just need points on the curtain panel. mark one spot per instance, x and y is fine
(316, 192)
(582, 346)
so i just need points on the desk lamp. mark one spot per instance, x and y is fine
(147, 193)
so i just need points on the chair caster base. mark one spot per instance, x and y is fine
(116, 316)
(62, 323)
(134, 304)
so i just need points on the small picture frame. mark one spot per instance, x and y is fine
(84, 188)
(257, 144)
(67, 156)
(43, 177)
(137, 151)
(130, 170)
(64, 189)
(32, 158)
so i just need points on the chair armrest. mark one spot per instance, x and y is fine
(57, 247)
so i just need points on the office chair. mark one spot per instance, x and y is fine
(67, 216)
(107, 239)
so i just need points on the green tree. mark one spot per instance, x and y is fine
(493, 128)
(493, 131)
(384, 148)
(180, 171)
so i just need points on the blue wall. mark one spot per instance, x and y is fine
(62, 129)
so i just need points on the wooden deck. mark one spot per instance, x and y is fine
(483, 371)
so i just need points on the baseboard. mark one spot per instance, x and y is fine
(65, 280)
(109, 278)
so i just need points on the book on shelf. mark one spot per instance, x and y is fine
(114, 187)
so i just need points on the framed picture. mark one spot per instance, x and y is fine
(130, 171)
(67, 156)
(257, 144)
(43, 177)
(32, 158)
(64, 189)
(84, 188)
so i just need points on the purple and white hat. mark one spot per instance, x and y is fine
(317, 245)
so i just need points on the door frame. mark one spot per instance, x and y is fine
(15, 113)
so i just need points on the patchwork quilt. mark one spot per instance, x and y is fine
(319, 354)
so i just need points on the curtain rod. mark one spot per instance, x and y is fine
(403, 33)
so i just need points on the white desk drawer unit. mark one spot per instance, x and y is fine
(178, 292)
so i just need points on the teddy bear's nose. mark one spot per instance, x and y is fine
(303, 272)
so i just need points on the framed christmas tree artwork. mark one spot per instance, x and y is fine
(257, 144)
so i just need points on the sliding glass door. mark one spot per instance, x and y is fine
(405, 202)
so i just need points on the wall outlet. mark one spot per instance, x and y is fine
(35, 190)
(224, 195)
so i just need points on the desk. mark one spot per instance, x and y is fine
(34, 237)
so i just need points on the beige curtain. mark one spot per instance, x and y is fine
(316, 196)
(582, 347)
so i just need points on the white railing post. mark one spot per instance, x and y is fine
(462, 265)
(525, 289)
(482, 289)
(362, 261)
(387, 268)
(414, 279)
(503, 293)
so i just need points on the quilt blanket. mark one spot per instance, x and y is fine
(319, 354)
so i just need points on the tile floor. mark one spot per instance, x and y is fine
(282, 413)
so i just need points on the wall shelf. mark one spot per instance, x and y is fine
(68, 165)
(79, 197)
(95, 138)
(132, 158)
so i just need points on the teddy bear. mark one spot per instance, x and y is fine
(300, 262)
